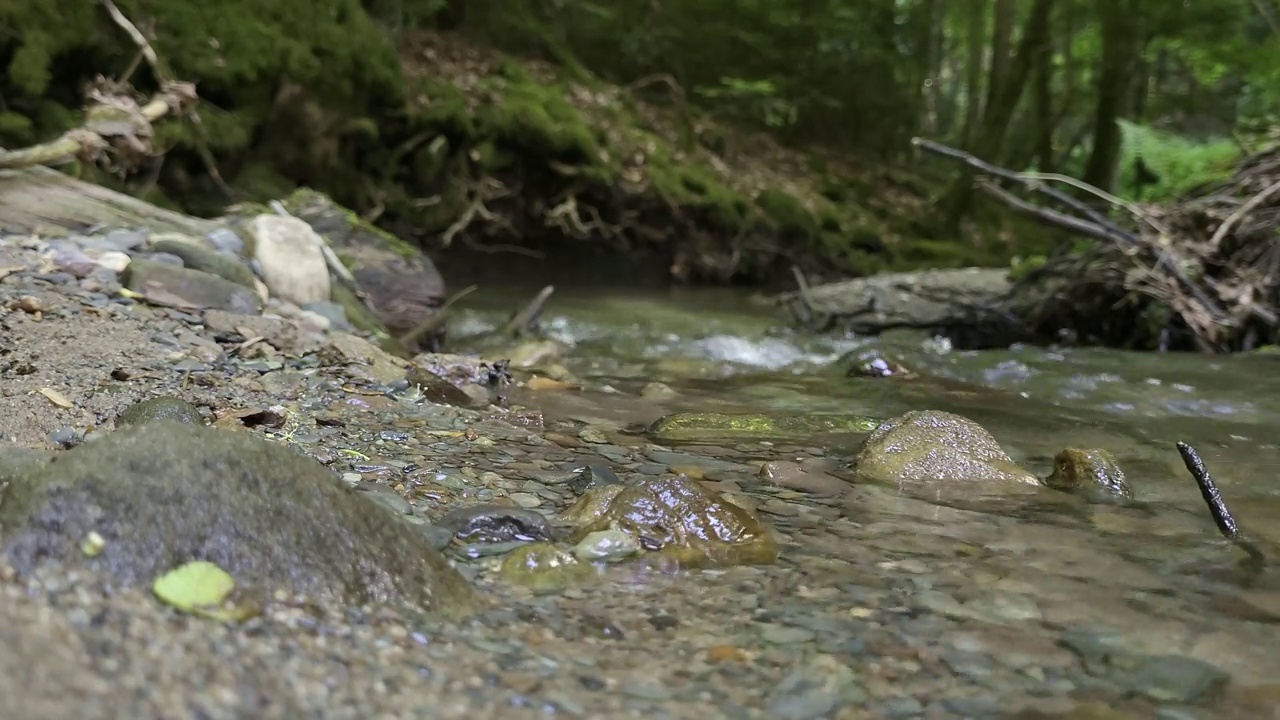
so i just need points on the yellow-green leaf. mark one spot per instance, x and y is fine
(197, 587)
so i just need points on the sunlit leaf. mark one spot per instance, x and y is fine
(198, 587)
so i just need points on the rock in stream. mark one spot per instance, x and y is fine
(165, 493)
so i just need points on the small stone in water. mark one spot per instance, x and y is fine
(606, 545)
(593, 436)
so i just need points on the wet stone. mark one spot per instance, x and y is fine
(489, 523)
(198, 257)
(387, 498)
(66, 437)
(593, 475)
(164, 492)
(165, 407)
(979, 706)
(814, 690)
(678, 459)
(526, 500)
(1176, 679)
(606, 545)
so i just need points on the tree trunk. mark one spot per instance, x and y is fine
(973, 72)
(1121, 44)
(1043, 122)
(1001, 43)
(931, 38)
(995, 121)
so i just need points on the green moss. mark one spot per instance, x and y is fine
(1021, 267)
(304, 196)
(786, 212)
(489, 157)
(261, 181)
(440, 106)
(29, 69)
(689, 184)
(537, 118)
(15, 130)
(220, 131)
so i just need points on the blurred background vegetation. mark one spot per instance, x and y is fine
(1145, 98)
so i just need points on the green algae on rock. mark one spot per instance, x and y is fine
(936, 446)
(164, 407)
(712, 426)
(165, 493)
(1092, 472)
(678, 518)
(543, 567)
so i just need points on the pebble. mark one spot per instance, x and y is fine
(526, 500)
(784, 634)
(1176, 679)
(814, 690)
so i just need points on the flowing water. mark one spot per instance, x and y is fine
(1155, 576)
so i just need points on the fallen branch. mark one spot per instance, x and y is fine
(149, 54)
(113, 122)
(115, 126)
(1030, 182)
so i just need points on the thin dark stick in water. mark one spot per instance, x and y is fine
(1217, 507)
(1221, 515)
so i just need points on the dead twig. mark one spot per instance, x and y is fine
(522, 322)
(1217, 507)
(436, 320)
(1251, 205)
(148, 53)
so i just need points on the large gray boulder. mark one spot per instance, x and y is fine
(165, 493)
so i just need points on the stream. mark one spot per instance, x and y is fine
(1154, 576)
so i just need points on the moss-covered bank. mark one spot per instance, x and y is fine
(456, 145)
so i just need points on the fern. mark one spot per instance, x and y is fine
(1181, 163)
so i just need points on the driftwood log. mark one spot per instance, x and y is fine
(970, 302)
(41, 201)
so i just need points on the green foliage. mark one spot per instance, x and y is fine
(1180, 163)
(786, 212)
(755, 100)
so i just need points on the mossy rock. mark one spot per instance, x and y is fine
(400, 283)
(164, 493)
(679, 519)
(164, 407)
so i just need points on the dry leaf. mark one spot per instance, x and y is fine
(56, 398)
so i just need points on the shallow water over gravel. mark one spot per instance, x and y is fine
(884, 603)
(981, 577)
